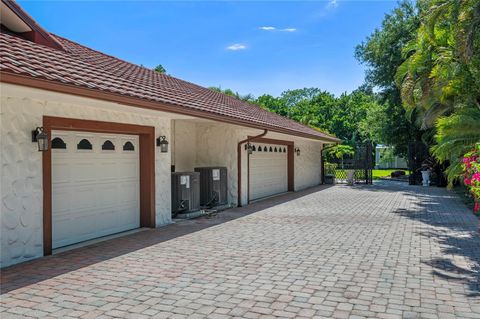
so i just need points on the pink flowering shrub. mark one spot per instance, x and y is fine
(471, 174)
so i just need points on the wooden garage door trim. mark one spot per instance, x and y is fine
(290, 162)
(147, 166)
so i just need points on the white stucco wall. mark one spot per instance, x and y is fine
(308, 167)
(216, 145)
(184, 145)
(21, 194)
(196, 143)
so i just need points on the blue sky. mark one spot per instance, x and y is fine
(250, 47)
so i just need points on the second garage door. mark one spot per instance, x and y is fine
(95, 185)
(268, 172)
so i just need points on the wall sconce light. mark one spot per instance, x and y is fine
(39, 136)
(297, 150)
(249, 148)
(163, 143)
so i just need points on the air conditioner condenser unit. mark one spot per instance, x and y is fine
(185, 192)
(213, 186)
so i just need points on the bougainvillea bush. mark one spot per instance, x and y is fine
(471, 174)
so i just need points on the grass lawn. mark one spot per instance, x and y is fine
(379, 173)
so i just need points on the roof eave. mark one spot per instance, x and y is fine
(27, 19)
(29, 81)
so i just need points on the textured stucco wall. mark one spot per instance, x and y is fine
(217, 146)
(21, 194)
(308, 164)
(184, 145)
(196, 143)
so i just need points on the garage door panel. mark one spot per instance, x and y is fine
(94, 192)
(61, 206)
(80, 197)
(109, 170)
(61, 173)
(83, 170)
(127, 188)
(109, 194)
(129, 170)
(268, 171)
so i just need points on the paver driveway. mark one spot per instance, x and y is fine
(338, 252)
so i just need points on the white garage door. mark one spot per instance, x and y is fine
(268, 170)
(95, 185)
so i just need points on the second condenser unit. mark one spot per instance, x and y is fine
(185, 192)
(213, 186)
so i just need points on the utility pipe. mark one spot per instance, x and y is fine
(239, 164)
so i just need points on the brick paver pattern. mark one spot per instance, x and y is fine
(382, 251)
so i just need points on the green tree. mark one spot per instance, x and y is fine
(351, 109)
(372, 125)
(272, 104)
(322, 110)
(340, 152)
(456, 135)
(387, 156)
(319, 109)
(382, 53)
(440, 79)
(310, 106)
(160, 69)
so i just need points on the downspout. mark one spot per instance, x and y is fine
(239, 165)
(173, 146)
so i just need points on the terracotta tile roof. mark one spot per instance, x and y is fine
(83, 67)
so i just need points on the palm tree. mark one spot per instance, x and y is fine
(456, 135)
(440, 79)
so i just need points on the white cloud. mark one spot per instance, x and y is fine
(236, 47)
(270, 28)
(332, 4)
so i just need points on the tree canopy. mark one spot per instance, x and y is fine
(382, 53)
(422, 83)
(322, 110)
(440, 77)
(160, 69)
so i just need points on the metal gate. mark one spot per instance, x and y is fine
(360, 165)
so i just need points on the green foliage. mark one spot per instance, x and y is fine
(160, 69)
(330, 168)
(320, 109)
(382, 173)
(387, 156)
(440, 79)
(339, 152)
(442, 68)
(382, 53)
(372, 125)
(351, 109)
(456, 134)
